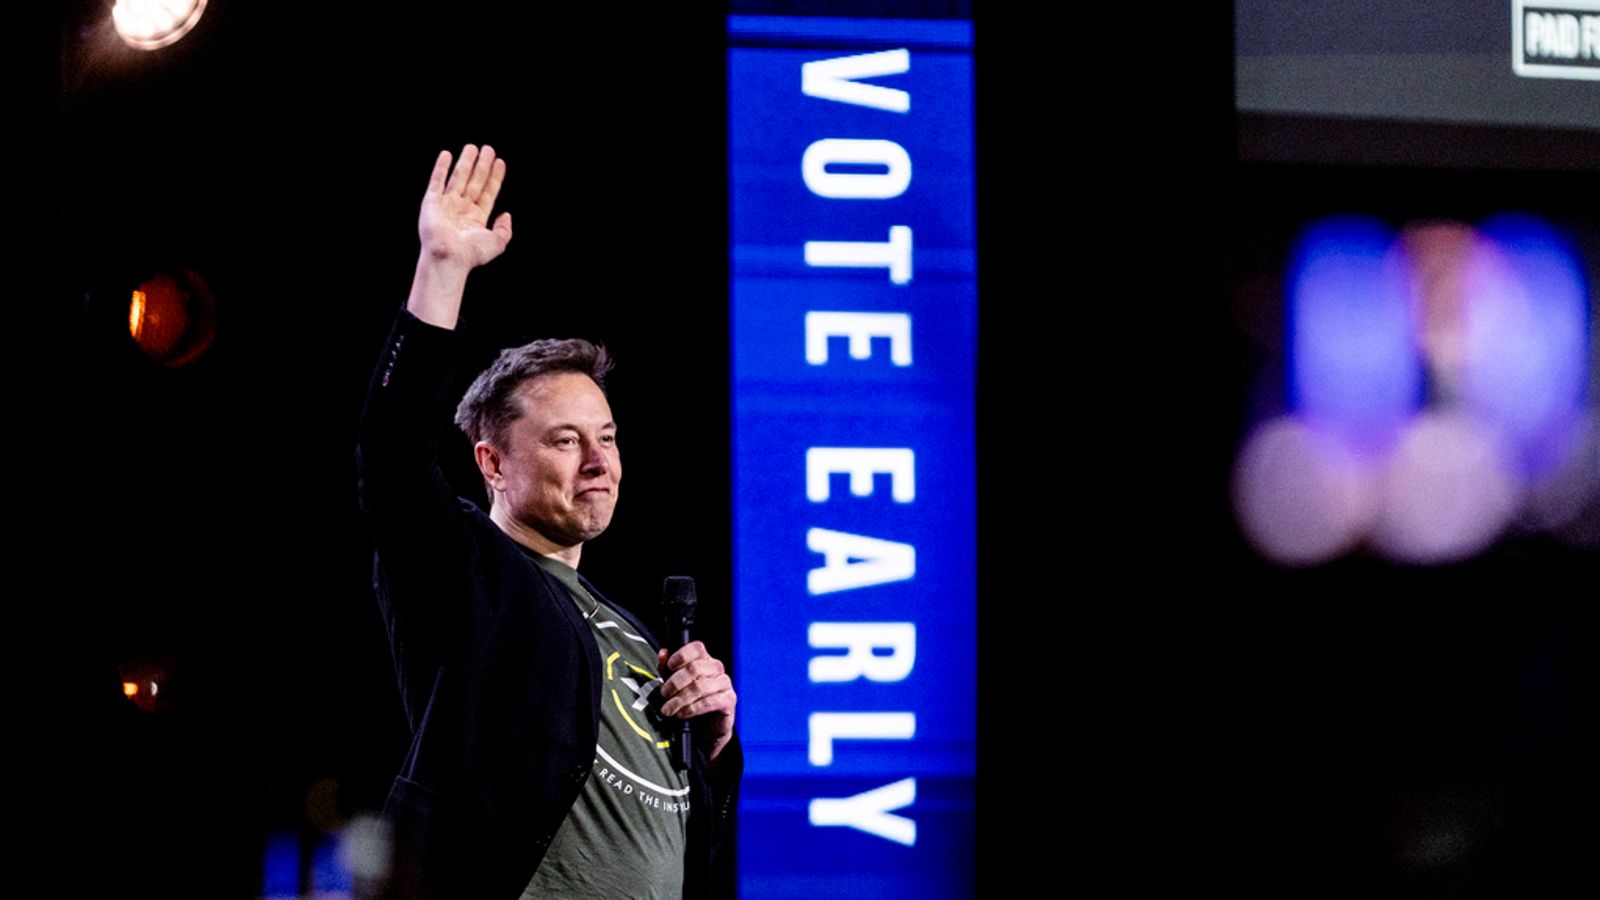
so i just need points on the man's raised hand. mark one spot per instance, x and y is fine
(455, 232)
(453, 224)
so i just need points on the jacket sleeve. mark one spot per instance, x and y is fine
(417, 522)
(724, 785)
(711, 823)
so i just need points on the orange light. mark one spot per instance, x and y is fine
(142, 683)
(136, 314)
(172, 317)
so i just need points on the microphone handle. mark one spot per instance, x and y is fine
(682, 749)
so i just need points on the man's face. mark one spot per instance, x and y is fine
(560, 469)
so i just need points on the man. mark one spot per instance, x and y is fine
(539, 764)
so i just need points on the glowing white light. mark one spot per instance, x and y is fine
(1300, 496)
(1447, 492)
(366, 847)
(152, 24)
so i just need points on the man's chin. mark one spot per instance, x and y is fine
(583, 532)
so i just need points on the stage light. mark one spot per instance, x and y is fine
(141, 685)
(1440, 252)
(1448, 490)
(1438, 389)
(136, 314)
(152, 24)
(1353, 360)
(142, 692)
(172, 317)
(1301, 496)
(366, 849)
(1561, 497)
(1527, 343)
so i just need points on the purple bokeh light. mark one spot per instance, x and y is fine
(1526, 339)
(1355, 369)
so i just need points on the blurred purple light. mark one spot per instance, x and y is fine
(1492, 327)
(1562, 495)
(1447, 492)
(1526, 340)
(1301, 498)
(1354, 360)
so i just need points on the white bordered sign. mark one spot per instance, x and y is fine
(1556, 39)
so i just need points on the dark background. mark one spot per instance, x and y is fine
(1358, 728)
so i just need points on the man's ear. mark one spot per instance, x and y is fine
(488, 460)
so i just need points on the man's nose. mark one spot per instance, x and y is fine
(594, 458)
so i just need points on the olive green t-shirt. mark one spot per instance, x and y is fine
(626, 834)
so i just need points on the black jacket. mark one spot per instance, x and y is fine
(499, 674)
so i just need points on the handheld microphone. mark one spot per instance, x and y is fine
(677, 603)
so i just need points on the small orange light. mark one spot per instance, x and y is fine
(130, 688)
(172, 317)
(136, 314)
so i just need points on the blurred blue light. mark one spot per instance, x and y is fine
(1354, 367)
(281, 877)
(328, 872)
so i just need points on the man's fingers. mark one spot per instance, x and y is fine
(709, 696)
(684, 681)
(441, 169)
(693, 671)
(686, 684)
(690, 651)
(491, 188)
(463, 171)
(502, 227)
(715, 703)
(481, 167)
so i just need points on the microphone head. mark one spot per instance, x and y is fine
(678, 599)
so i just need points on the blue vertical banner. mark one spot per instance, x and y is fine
(854, 333)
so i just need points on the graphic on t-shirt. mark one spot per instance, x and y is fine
(635, 704)
(642, 697)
